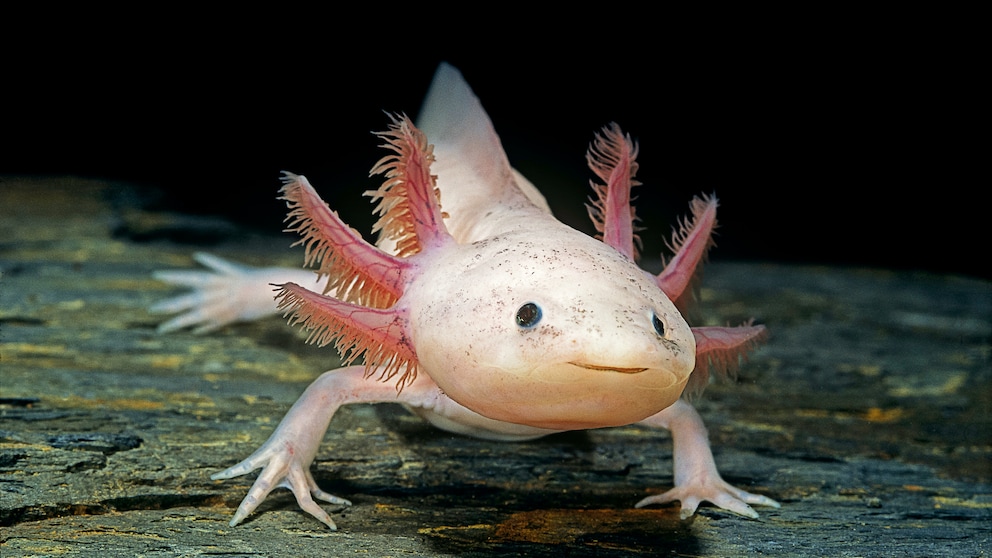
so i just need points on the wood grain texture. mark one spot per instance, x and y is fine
(867, 415)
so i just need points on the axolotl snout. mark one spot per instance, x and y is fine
(481, 312)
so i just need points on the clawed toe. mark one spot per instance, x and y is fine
(725, 497)
(274, 475)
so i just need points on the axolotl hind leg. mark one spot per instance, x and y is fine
(224, 293)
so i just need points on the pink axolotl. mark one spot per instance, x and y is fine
(481, 312)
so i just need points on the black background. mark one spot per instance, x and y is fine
(833, 142)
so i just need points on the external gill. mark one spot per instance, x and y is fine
(721, 350)
(690, 243)
(357, 271)
(409, 200)
(612, 157)
(366, 315)
(381, 335)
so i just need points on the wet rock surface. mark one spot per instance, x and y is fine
(867, 415)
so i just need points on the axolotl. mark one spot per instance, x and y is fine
(481, 312)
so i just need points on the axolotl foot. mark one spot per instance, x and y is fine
(714, 490)
(281, 468)
(223, 293)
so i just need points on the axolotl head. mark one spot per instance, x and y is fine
(550, 329)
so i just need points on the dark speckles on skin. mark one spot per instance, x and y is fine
(592, 329)
(549, 331)
(672, 346)
(577, 313)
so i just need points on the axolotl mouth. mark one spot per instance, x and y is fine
(607, 368)
(572, 395)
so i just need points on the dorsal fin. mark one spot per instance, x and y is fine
(452, 114)
(472, 168)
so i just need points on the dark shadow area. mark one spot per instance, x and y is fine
(820, 153)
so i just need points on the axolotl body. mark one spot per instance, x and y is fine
(481, 312)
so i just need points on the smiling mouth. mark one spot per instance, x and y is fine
(608, 368)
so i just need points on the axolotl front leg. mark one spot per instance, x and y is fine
(285, 458)
(696, 476)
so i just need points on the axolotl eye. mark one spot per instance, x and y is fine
(659, 326)
(528, 315)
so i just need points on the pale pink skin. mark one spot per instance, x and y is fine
(594, 360)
